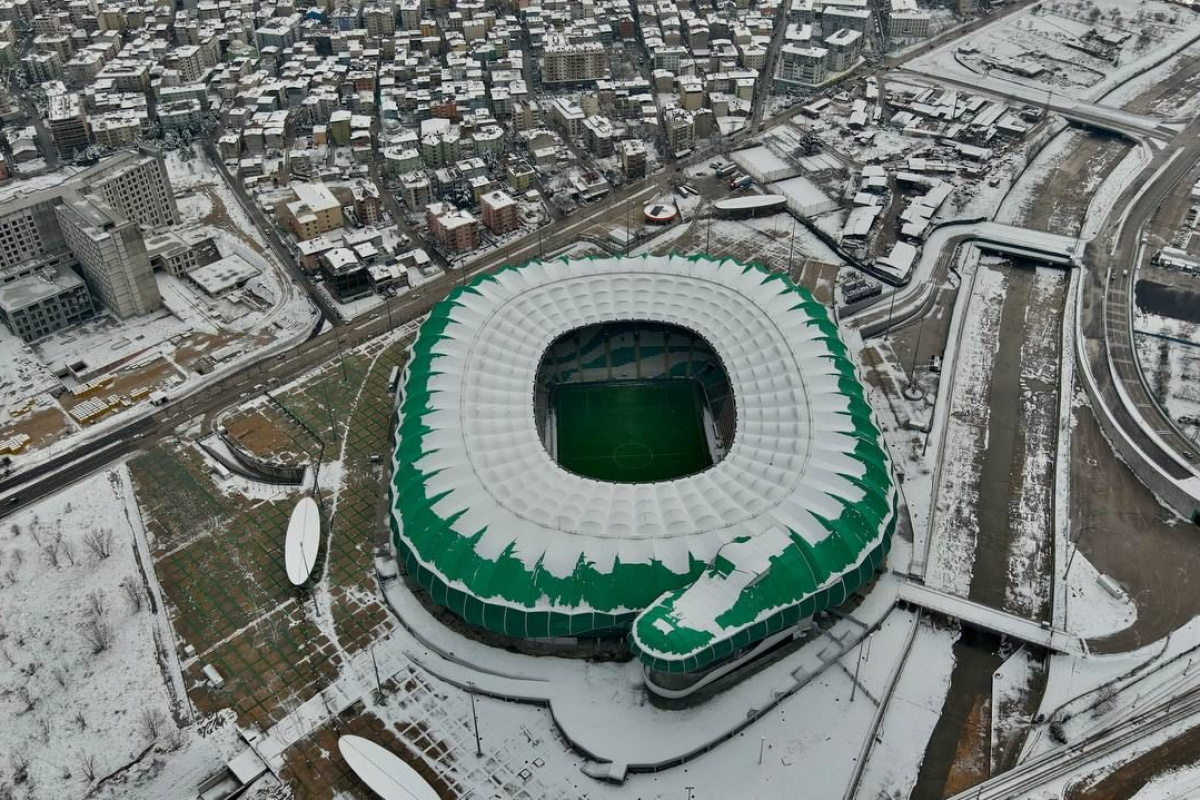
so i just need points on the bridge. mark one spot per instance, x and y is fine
(989, 619)
(937, 254)
(1093, 115)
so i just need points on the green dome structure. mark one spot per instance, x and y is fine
(676, 448)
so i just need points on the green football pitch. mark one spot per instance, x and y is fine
(631, 432)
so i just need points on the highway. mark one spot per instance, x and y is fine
(940, 250)
(1105, 321)
(37, 481)
(1094, 115)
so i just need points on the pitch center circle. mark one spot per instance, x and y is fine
(632, 455)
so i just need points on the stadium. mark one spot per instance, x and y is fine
(673, 449)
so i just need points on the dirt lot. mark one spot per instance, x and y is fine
(1182, 751)
(1159, 566)
(42, 426)
(1061, 198)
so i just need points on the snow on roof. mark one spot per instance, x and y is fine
(750, 202)
(505, 537)
(303, 540)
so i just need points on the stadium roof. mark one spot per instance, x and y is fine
(795, 517)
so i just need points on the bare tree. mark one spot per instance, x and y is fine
(68, 552)
(96, 603)
(43, 728)
(51, 553)
(80, 720)
(98, 634)
(133, 593)
(18, 556)
(152, 720)
(87, 765)
(19, 761)
(100, 543)
(27, 699)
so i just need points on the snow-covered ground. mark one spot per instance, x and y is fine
(956, 527)
(1050, 38)
(915, 709)
(281, 308)
(1178, 784)
(82, 686)
(1032, 515)
(1168, 353)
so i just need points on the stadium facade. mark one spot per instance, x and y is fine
(672, 448)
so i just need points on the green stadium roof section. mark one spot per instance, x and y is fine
(793, 519)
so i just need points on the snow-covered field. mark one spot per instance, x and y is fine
(1169, 355)
(281, 307)
(1032, 514)
(915, 709)
(82, 687)
(956, 525)
(1052, 37)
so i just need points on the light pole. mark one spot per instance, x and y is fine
(475, 722)
(338, 340)
(857, 667)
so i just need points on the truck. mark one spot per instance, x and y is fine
(725, 170)
(738, 184)
(159, 398)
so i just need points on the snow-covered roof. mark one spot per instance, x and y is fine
(749, 202)
(498, 532)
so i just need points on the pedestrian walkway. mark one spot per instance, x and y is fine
(988, 618)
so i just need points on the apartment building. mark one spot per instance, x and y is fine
(111, 253)
(566, 62)
(632, 153)
(314, 212)
(908, 24)
(92, 223)
(499, 212)
(802, 65)
(67, 123)
(845, 48)
(680, 127)
(37, 305)
(455, 230)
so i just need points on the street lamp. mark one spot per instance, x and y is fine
(475, 721)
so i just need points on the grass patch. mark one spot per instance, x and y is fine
(631, 431)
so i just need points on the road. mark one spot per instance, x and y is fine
(1095, 115)
(1079, 757)
(267, 230)
(29, 485)
(1113, 258)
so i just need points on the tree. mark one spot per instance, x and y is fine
(87, 765)
(152, 720)
(133, 593)
(96, 603)
(100, 543)
(98, 634)
(20, 767)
